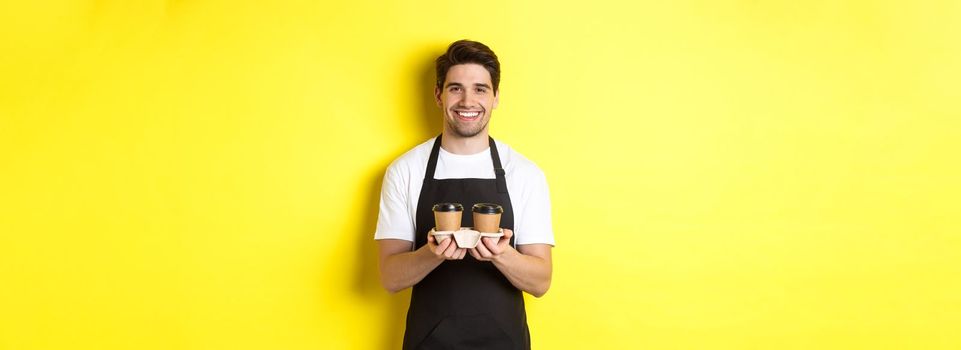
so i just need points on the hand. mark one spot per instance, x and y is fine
(446, 250)
(491, 248)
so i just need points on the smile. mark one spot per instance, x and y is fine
(467, 115)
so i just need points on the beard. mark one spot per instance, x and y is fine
(467, 130)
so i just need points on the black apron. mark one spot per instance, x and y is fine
(465, 304)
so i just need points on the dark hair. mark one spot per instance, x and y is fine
(466, 51)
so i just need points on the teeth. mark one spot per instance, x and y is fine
(468, 114)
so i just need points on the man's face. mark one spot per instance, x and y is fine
(467, 99)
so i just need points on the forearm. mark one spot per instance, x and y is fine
(403, 270)
(528, 273)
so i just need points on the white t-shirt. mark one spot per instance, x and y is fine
(526, 185)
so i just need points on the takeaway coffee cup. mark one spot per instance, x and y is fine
(447, 216)
(487, 217)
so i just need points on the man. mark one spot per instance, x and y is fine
(465, 298)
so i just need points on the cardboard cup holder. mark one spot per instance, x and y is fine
(466, 237)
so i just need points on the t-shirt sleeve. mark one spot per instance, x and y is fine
(535, 225)
(394, 220)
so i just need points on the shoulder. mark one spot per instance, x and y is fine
(517, 164)
(414, 159)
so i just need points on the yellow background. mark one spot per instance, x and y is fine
(724, 174)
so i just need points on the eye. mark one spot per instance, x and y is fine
(454, 89)
(482, 90)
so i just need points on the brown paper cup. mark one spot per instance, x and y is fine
(487, 223)
(447, 216)
(487, 217)
(447, 221)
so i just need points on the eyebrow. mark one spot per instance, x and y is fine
(461, 85)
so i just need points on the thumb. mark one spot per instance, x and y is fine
(504, 241)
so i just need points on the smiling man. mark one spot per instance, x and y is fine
(465, 298)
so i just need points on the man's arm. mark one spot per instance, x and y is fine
(401, 268)
(528, 267)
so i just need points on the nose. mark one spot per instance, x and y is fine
(470, 100)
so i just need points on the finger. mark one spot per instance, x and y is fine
(492, 245)
(451, 249)
(503, 244)
(475, 254)
(485, 241)
(445, 241)
(461, 253)
(442, 245)
(483, 251)
(506, 238)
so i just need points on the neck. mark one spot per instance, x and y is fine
(453, 143)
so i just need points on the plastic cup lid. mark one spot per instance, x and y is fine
(487, 208)
(442, 207)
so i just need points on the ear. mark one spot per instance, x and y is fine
(437, 100)
(497, 98)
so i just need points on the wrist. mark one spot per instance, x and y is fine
(426, 251)
(501, 258)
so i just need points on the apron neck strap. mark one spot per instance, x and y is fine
(432, 161)
(499, 172)
(498, 169)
